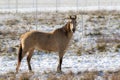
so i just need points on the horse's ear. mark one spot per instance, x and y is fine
(75, 16)
(71, 17)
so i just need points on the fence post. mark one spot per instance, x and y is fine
(98, 4)
(33, 4)
(8, 4)
(56, 6)
(77, 5)
(36, 13)
(16, 6)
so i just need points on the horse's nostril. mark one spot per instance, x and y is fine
(73, 29)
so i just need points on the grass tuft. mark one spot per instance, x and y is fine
(101, 47)
(11, 22)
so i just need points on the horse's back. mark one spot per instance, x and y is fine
(35, 35)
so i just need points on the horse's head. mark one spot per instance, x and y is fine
(70, 26)
(73, 23)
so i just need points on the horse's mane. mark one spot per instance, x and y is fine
(63, 29)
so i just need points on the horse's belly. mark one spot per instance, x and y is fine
(47, 48)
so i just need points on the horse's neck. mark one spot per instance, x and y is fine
(62, 29)
(68, 23)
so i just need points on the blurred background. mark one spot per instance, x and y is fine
(58, 4)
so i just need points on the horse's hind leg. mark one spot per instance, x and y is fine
(29, 58)
(19, 60)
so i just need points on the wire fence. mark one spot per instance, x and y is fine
(57, 4)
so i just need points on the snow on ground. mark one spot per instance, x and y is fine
(61, 9)
(48, 63)
(42, 62)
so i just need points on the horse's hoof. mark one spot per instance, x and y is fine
(31, 71)
(59, 71)
(16, 71)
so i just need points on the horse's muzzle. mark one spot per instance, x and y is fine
(73, 29)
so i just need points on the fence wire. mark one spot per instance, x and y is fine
(17, 4)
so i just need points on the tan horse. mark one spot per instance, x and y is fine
(56, 41)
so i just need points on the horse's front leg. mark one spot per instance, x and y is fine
(61, 54)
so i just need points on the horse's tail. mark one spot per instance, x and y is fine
(20, 53)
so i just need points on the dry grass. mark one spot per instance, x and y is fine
(29, 19)
(89, 75)
(107, 43)
(11, 22)
(115, 77)
(64, 76)
(112, 75)
(97, 33)
(101, 47)
(79, 51)
(8, 76)
(55, 18)
(68, 76)
(72, 76)
(25, 76)
(14, 76)
(117, 47)
(100, 12)
(52, 77)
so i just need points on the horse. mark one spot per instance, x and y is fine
(56, 41)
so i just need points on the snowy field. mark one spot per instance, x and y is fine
(88, 50)
(52, 3)
(60, 9)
